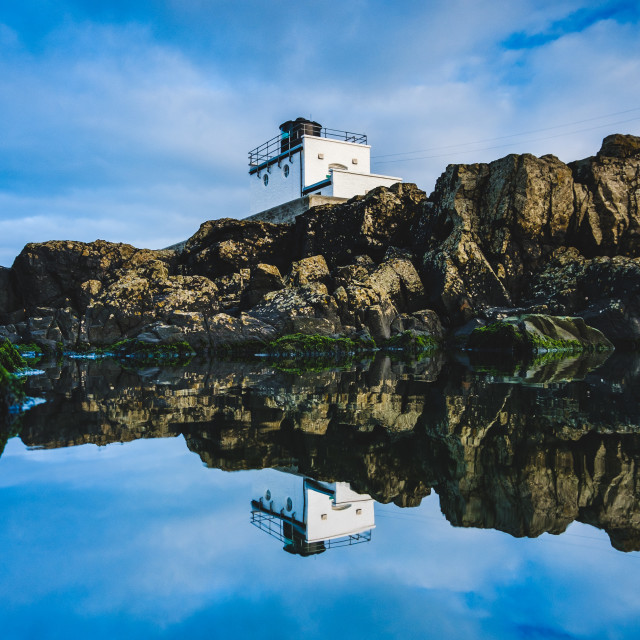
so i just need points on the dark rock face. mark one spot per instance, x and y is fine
(8, 298)
(54, 274)
(223, 247)
(605, 291)
(366, 225)
(490, 229)
(518, 235)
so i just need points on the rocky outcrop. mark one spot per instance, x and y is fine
(366, 225)
(489, 230)
(518, 235)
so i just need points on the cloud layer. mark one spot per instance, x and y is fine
(132, 124)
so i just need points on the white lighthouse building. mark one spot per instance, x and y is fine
(307, 164)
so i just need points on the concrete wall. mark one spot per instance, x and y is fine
(334, 152)
(287, 212)
(280, 189)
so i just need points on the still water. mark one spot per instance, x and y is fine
(438, 499)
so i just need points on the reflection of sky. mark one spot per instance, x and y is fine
(142, 540)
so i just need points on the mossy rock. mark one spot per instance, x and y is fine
(10, 388)
(318, 345)
(411, 342)
(538, 334)
(10, 357)
(148, 352)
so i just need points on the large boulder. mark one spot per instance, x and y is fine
(53, 274)
(538, 333)
(308, 270)
(263, 279)
(367, 225)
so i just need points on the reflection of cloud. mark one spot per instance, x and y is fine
(106, 112)
(141, 538)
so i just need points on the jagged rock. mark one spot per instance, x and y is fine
(280, 308)
(607, 203)
(424, 322)
(52, 274)
(489, 224)
(605, 291)
(371, 297)
(618, 145)
(398, 279)
(231, 289)
(363, 225)
(223, 247)
(263, 279)
(489, 227)
(142, 297)
(308, 270)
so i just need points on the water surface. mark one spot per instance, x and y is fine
(504, 502)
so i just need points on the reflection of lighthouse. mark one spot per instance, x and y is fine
(311, 516)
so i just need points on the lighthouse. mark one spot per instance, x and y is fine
(307, 164)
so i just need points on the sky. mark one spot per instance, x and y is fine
(131, 121)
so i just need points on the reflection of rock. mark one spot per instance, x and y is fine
(523, 458)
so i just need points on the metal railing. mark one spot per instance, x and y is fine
(283, 142)
(275, 527)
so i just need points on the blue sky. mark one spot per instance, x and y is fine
(131, 121)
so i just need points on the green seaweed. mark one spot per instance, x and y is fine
(10, 389)
(10, 357)
(411, 342)
(300, 344)
(140, 351)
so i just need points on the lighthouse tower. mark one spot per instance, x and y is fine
(307, 164)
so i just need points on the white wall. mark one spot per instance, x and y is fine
(357, 517)
(282, 486)
(280, 189)
(338, 522)
(347, 184)
(334, 152)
